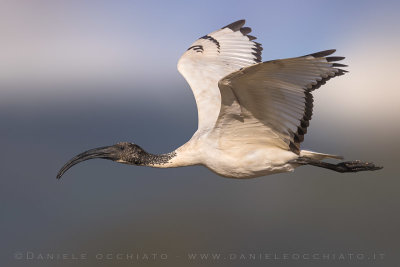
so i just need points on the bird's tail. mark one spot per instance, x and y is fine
(318, 156)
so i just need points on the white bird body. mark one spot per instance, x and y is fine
(231, 159)
(252, 115)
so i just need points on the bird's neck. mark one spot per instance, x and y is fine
(156, 160)
(177, 158)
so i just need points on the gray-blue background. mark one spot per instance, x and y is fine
(81, 74)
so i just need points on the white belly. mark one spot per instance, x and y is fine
(248, 162)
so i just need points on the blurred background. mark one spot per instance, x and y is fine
(81, 74)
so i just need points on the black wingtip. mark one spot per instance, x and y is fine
(245, 30)
(339, 65)
(322, 53)
(235, 26)
(331, 59)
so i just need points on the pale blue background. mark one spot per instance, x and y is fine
(81, 74)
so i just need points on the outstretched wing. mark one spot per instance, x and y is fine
(211, 58)
(271, 102)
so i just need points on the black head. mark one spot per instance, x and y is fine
(123, 152)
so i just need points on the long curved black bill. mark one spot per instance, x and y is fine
(107, 152)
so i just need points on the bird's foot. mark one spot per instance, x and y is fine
(356, 166)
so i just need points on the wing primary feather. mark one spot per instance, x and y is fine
(235, 26)
(330, 59)
(258, 56)
(322, 53)
(245, 30)
(339, 65)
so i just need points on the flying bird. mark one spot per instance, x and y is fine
(252, 115)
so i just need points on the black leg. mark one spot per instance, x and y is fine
(345, 166)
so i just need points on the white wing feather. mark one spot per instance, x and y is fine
(211, 58)
(270, 103)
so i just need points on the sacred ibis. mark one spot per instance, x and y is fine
(252, 115)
